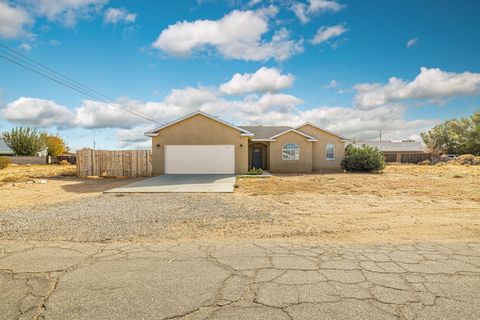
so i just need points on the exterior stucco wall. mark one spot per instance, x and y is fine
(279, 165)
(199, 130)
(319, 149)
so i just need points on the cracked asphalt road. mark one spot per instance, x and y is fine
(239, 280)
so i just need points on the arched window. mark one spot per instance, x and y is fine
(291, 151)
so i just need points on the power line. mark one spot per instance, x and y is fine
(68, 82)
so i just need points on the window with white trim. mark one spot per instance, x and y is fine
(291, 151)
(330, 151)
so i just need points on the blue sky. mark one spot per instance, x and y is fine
(249, 62)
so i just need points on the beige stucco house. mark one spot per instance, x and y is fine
(203, 144)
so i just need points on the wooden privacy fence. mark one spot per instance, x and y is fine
(109, 163)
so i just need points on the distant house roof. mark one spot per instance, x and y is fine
(389, 146)
(265, 132)
(4, 149)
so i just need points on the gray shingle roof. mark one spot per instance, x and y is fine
(3, 147)
(264, 132)
(389, 146)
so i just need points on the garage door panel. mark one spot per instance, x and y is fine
(199, 159)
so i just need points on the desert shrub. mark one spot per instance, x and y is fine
(425, 162)
(255, 171)
(4, 162)
(363, 159)
(468, 159)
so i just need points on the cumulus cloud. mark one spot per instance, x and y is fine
(67, 12)
(305, 11)
(326, 33)
(38, 113)
(263, 80)
(238, 35)
(412, 42)
(13, 21)
(375, 107)
(119, 15)
(431, 84)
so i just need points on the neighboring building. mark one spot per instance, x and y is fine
(200, 144)
(404, 152)
(4, 149)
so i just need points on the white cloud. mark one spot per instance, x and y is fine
(38, 113)
(269, 108)
(118, 15)
(432, 84)
(238, 35)
(25, 47)
(305, 12)
(412, 42)
(13, 21)
(263, 80)
(326, 33)
(67, 12)
(332, 84)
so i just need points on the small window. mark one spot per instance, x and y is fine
(330, 151)
(291, 151)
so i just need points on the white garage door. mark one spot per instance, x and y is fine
(199, 159)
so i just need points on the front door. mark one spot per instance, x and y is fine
(257, 158)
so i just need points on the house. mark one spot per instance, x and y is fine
(4, 149)
(203, 144)
(402, 152)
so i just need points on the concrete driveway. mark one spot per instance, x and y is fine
(180, 183)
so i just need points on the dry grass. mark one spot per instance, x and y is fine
(20, 173)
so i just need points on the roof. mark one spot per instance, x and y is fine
(265, 132)
(390, 146)
(154, 132)
(4, 149)
(315, 126)
(309, 138)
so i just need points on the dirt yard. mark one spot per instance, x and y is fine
(20, 185)
(406, 202)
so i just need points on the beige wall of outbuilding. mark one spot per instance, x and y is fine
(304, 164)
(319, 148)
(199, 130)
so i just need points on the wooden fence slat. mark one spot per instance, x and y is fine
(112, 163)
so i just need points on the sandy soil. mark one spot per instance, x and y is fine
(23, 187)
(405, 202)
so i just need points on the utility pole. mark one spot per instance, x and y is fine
(94, 144)
(380, 131)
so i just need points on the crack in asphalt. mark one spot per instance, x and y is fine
(385, 281)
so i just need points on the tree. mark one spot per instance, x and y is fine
(456, 136)
(25, 141)
(55, 146)
(363, 159)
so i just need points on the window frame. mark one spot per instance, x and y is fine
(296, 152)
(332, 145)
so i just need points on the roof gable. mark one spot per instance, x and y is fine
(321, 129)
(309, 138)
(154, 132)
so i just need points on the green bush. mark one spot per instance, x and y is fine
(363, 159)
(4, 162)
(255, 171)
